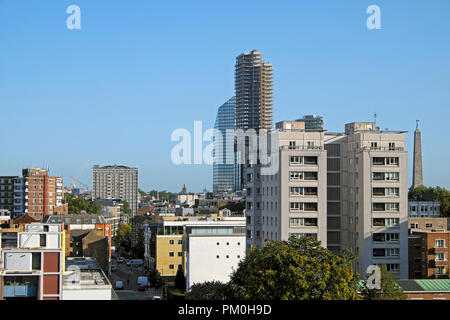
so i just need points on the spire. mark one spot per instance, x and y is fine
(417, 165)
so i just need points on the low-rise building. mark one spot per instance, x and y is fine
(213, 249)
(426, 289)
(85, 280)
(428, 254)
(32, 262)
(424, 209)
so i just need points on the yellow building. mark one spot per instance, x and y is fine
(169, 248)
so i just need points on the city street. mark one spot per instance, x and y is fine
(129, 276)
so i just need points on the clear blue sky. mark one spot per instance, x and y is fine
(114, 91)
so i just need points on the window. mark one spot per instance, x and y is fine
(392, 237)
(373, 145)
(171, 266)
(392, 252)
(392, 146)
(428, 225)
(36, 261)
(392, 161)
(440, 256)
(42, 240)
(292, 144)
(296, 175)
(180, 241)
(171, 254)
(296, 191)
(392, 176)
(394, 206)
(296, 160)
(440, 270)
(296, 206)
(439, 243)
(171, 241)
(393, 267)
(180, 254)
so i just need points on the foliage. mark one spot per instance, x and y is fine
(76, 205)
(211, 290)
(163, 195)
(154, 277)
(389, 290)
(126, 208)
(297, 269)
(438, 194)
(123, 240)
(137, 251)
(174, 294)
(180, 280)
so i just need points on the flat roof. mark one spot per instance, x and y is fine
(91, 275)
(425, 285)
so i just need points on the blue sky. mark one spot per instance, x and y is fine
(114, 91)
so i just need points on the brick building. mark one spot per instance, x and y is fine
(428, 254)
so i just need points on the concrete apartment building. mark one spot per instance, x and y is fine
(116, 182)
(348, 190)
(35, 193)
(292, 201)
(32, 262)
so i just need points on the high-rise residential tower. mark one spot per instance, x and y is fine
(253, 87)
(417, 165)
(348, 190)
(116, 182)
(224, 168)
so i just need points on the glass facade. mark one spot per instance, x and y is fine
(225, 172)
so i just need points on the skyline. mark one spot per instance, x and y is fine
(81, 86)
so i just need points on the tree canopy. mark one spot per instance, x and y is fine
(389, 290)
(76, 205)
(297, 269)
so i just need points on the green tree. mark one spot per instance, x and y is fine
(297, 269)
(137, 251)
(180, 280)
(211, 290)
(94, 208)
(389, 290)
(154, 277)
(123, 240)
(126, 208)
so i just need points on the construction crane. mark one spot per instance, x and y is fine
(78, 181)
(74, 181)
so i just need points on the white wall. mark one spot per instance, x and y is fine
(202, 262)
(86, 294)
(17, 261)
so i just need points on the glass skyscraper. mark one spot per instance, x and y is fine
(225, 172)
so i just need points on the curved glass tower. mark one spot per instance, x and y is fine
(224, 168)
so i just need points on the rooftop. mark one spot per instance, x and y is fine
(425, 285)
(91, 275)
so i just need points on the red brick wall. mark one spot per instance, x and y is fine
(51, 284)
(51, 262)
